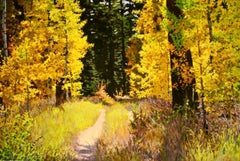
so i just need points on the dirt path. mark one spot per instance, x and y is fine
(85, 141)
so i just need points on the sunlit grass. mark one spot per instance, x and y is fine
(116, 125)
(57, 128)
(116, 135)
(224, 146)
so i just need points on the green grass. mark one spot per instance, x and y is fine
(57, 128)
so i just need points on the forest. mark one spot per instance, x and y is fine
(165, 72)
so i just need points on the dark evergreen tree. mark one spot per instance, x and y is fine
(109, 26)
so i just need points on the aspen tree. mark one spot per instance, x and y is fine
(49, 48)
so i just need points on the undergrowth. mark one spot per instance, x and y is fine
(47, 136)
(16, 142)
(160, 134)
(224, 146)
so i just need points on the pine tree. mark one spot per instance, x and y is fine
(109, 25)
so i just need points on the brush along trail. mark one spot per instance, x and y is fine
(85, 141)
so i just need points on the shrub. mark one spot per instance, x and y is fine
(16, 142)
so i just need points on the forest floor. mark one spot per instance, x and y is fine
(84, 145)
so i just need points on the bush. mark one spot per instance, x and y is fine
(16, 142)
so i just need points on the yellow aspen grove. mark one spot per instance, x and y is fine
(213, 37)
(49, 49)
(164, 66)
(149, 67)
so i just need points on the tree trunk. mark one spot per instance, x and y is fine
(4, 28)
(201, 100)
(182, 92)
(4, 35)
(111, 64)
(60, 92)
(124, 59)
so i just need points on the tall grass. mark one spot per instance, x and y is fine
(116, 133)
(47, 136)
(223, 147)
(158, 133)
(116, 125)
(56, 128)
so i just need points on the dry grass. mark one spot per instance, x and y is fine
(56, 127)
(116, 134)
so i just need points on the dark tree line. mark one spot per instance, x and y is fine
(109, 26)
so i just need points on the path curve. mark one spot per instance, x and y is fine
(85, 141)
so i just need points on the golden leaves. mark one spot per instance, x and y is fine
(47, 46)
(215, 62)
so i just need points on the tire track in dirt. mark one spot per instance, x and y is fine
(84, 145)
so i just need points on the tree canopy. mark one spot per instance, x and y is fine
(185, 52)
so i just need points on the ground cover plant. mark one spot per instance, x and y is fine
(15, 139)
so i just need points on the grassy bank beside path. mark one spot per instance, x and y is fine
(116, 130)
(56, 128)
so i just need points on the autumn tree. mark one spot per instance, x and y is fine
(74, 48)
(12, 15)
(148, 55)
(151, 76)
(212, 35)
(48, 51)
(150, 66)
(183, 79)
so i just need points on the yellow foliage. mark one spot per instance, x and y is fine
(149, 65)
(50, 46)
(215, 62)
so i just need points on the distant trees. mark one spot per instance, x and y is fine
(109, 26)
